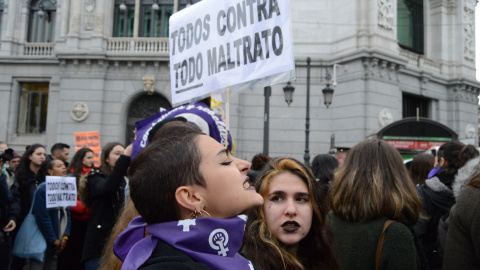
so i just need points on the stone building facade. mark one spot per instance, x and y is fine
(80, 65)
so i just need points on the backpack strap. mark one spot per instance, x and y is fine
(380, 243)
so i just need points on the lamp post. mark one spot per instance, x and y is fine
(327, 98)
(306, 156)
(266, 118)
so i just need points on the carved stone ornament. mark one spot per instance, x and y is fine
(375, 67)
(470, 131)
(149, 83)
(89, 23)
(385, 14)
(385, 117)
(468, 33)
(79, 111)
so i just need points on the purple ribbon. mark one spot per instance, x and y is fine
(214, 242)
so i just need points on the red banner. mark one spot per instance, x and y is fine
(423, 145)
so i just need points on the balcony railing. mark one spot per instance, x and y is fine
(137, 45)
(419, 61)
(39, 49)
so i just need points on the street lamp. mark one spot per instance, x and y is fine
(40, 12)
(288, 92)
(327, 98)
(327, 95)
(155, 5)
(123, 6)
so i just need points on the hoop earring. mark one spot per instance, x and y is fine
(205, 213)
(196, 214)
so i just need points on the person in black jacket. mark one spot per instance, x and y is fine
(437, 197)
(9, 213)
(29, 175)
(103, 193)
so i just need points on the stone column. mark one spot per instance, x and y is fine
(75, 19)
(74, 25)
(11, 11)
(175, 6)
(136, 21)
(65, 16)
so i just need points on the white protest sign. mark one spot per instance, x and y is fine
(61, 191)
(215, 44)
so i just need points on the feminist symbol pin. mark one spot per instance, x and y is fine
(218, 240)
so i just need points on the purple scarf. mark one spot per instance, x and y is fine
(214, 242)
(433, 172)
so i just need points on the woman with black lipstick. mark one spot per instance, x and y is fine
(291, 222)
(373, 196)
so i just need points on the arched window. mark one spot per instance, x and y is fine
(410, 25)
(41, 25)
(153, 17)
(143, 107)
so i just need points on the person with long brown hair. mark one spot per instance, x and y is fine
(289, 231)
(462, 248)
(29, 174)
(103, 194)
(371, 187)
(420, 166)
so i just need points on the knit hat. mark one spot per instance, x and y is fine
(15, 155)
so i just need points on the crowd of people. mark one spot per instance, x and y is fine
(184, 202)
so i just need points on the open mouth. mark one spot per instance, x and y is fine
(246, 184)
(290, 226)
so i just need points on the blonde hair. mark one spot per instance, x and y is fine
(109, 260)
(315, 251)
(373, 182)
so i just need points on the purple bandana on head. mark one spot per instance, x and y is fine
(214, 242)
(199, 114)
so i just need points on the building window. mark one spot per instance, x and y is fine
(412, 103)
(151, 22)
(41, 26)
(410, 25)
(155, 22)
(123, 26)
(32, 112)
